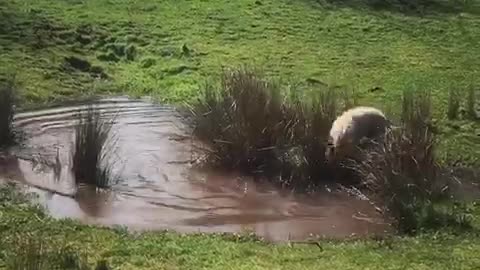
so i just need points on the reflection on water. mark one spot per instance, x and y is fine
(161, 191)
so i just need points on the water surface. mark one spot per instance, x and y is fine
(159, 189)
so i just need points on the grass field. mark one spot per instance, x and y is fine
(168, 49)
(24, 227)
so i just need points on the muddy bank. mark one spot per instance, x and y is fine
(159, 189)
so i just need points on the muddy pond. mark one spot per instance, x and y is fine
(159, 189)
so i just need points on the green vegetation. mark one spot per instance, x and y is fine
(35, 254)
(77, 245)
(65, 49)
(244, 121)
(93, 149)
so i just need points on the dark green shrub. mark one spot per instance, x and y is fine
(7, 102)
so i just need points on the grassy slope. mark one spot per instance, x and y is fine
(293, 40)
(121, 250)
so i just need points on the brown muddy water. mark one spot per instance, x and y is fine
(159, 189)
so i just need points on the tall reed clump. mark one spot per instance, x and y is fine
(92, 150)
(7, 101)
(243, 121)
(309, 120)
(251, 126)
(403, 170)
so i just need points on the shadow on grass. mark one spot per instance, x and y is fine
(408, 7)
(28, 27)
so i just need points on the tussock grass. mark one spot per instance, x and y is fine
(7, 102)
(243, 121)
(93, 149)
(309, 122)
(404, 173)
(251, 126)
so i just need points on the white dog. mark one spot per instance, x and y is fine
(351, 127)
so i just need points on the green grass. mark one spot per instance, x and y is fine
(168, 49)
(75, 244)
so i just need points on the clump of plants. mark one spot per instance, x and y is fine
(250, 125)
(309, 120)
(404, 173)
(7, 102)
(93, 150)
(243, 121)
